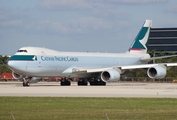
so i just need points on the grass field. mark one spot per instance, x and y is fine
(60, 108)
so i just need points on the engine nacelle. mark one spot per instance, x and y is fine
(35, 79)
(157, 72)
(110, 75)
(16, 76)
(20, 77)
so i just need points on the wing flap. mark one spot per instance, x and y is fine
(137, 66)
(155, 58)
(147, 66)
(90, 70)
(76, 70)
(171, 64)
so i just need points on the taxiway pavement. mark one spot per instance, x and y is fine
(53, 89)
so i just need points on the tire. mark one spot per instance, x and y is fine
(27, 84)
(82, 83)
(24, 84)
(65, 83)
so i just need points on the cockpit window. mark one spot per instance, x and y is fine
(22, 51)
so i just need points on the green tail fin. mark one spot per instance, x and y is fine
(141, 41)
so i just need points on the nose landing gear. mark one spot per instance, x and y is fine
(26, 82)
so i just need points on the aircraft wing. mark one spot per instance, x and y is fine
(155, 58)
(147, 66)
(128, 67)
(95, 70)
(171, 64)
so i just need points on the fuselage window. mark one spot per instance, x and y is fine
(22, 51)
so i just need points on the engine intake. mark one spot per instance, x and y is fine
(16, 76)
(157, 72)
(110, 75)
(20, 77)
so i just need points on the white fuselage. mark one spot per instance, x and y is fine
(42, 62)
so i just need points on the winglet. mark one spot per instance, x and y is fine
(141, 41)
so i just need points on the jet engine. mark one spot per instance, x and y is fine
(157, 72)
(110, 75)
(16, 76)
(20, 77)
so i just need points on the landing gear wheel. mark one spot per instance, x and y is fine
(94, 83)
(97, 82)
(82, 83)
(26, 81)
(102, 83)
(26, 84)
(65, 82)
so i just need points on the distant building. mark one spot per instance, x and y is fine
(163, 40)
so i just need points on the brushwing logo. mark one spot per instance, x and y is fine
(141, 39)
(145, 39)
(34, 58)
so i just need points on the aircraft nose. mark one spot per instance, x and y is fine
(10, 64)
(13, 65)
(16, 66)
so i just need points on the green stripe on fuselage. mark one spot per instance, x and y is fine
(24, 57)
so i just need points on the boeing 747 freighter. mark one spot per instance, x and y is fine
(33, 63)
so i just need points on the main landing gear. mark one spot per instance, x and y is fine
(92, 81)
(65, 82)
(82, 82)
(97, 82)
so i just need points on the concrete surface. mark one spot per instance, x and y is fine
(53, 89)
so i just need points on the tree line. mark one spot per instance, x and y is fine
(3, 64)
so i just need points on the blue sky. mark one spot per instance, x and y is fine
(79, 25)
